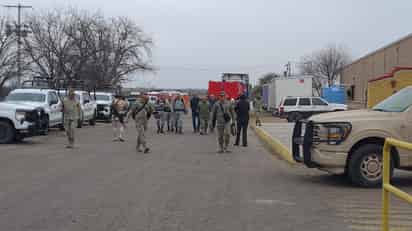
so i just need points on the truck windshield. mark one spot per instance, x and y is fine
(103, 97)
(398, 102)
(31, 97)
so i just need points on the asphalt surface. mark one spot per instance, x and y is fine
(181, 185)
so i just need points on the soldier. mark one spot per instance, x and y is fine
(179, 108)
(119, 111)
(159, 114)
(258, 109)
(140, 112)
(71, 111)
(168, 114)
(223, 119)
(204, 114)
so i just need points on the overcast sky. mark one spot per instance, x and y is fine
(196, 40)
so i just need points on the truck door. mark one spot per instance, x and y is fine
(53, 104)
(87, 106)
(56, 108)
(304, 106)
(318, 105)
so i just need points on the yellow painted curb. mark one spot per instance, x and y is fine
(274, 145)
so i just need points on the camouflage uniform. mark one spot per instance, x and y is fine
(71, 110)
(258, 109)
(204, 115)
(141, 112)
(167, 115)
(223, 127)
(179, 109)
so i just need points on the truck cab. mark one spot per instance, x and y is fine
(351, 142)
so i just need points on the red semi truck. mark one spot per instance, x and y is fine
(233, 84)
(231, 89)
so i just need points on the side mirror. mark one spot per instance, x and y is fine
(53, 103)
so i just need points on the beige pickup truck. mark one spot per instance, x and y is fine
(351, 142)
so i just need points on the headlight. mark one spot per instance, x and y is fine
(20, 115)
(332, 133)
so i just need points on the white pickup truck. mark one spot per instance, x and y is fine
(18, 121)
(47, 99)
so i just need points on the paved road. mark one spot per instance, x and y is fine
(182, 185)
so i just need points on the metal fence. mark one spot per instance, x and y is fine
(387, 188)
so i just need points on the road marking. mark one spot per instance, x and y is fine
(274, 202)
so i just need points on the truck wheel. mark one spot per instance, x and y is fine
(7, 132)
(92, 121)
(294, 116)
(45, 132)
(18, 138)
(79, 123)
(365, 168)
(291, 117)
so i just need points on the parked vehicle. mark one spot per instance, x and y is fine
(265, 96)
(351, 142)
(232, 89)
(47, 99)
(297, 108)
(88, 107)
(283, 87)
(104, 101)
(18, 121)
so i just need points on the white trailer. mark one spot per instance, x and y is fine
(288, 86)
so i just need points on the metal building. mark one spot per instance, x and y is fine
(356, 75)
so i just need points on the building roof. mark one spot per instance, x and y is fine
(380, 49)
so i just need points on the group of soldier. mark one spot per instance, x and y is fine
(226, 116)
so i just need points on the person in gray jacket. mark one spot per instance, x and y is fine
(223, 117)
(179, 109)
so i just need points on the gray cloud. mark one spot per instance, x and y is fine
(196, 40)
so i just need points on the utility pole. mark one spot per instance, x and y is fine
(20, 33)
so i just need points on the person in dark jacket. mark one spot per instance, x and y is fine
(194, 105)
(212, 101)
(242, 109)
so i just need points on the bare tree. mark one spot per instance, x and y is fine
(77, 45)
(8, 58)
(325, 65)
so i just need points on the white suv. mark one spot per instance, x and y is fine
(47, 99)
(88, 107)
(296, 108)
